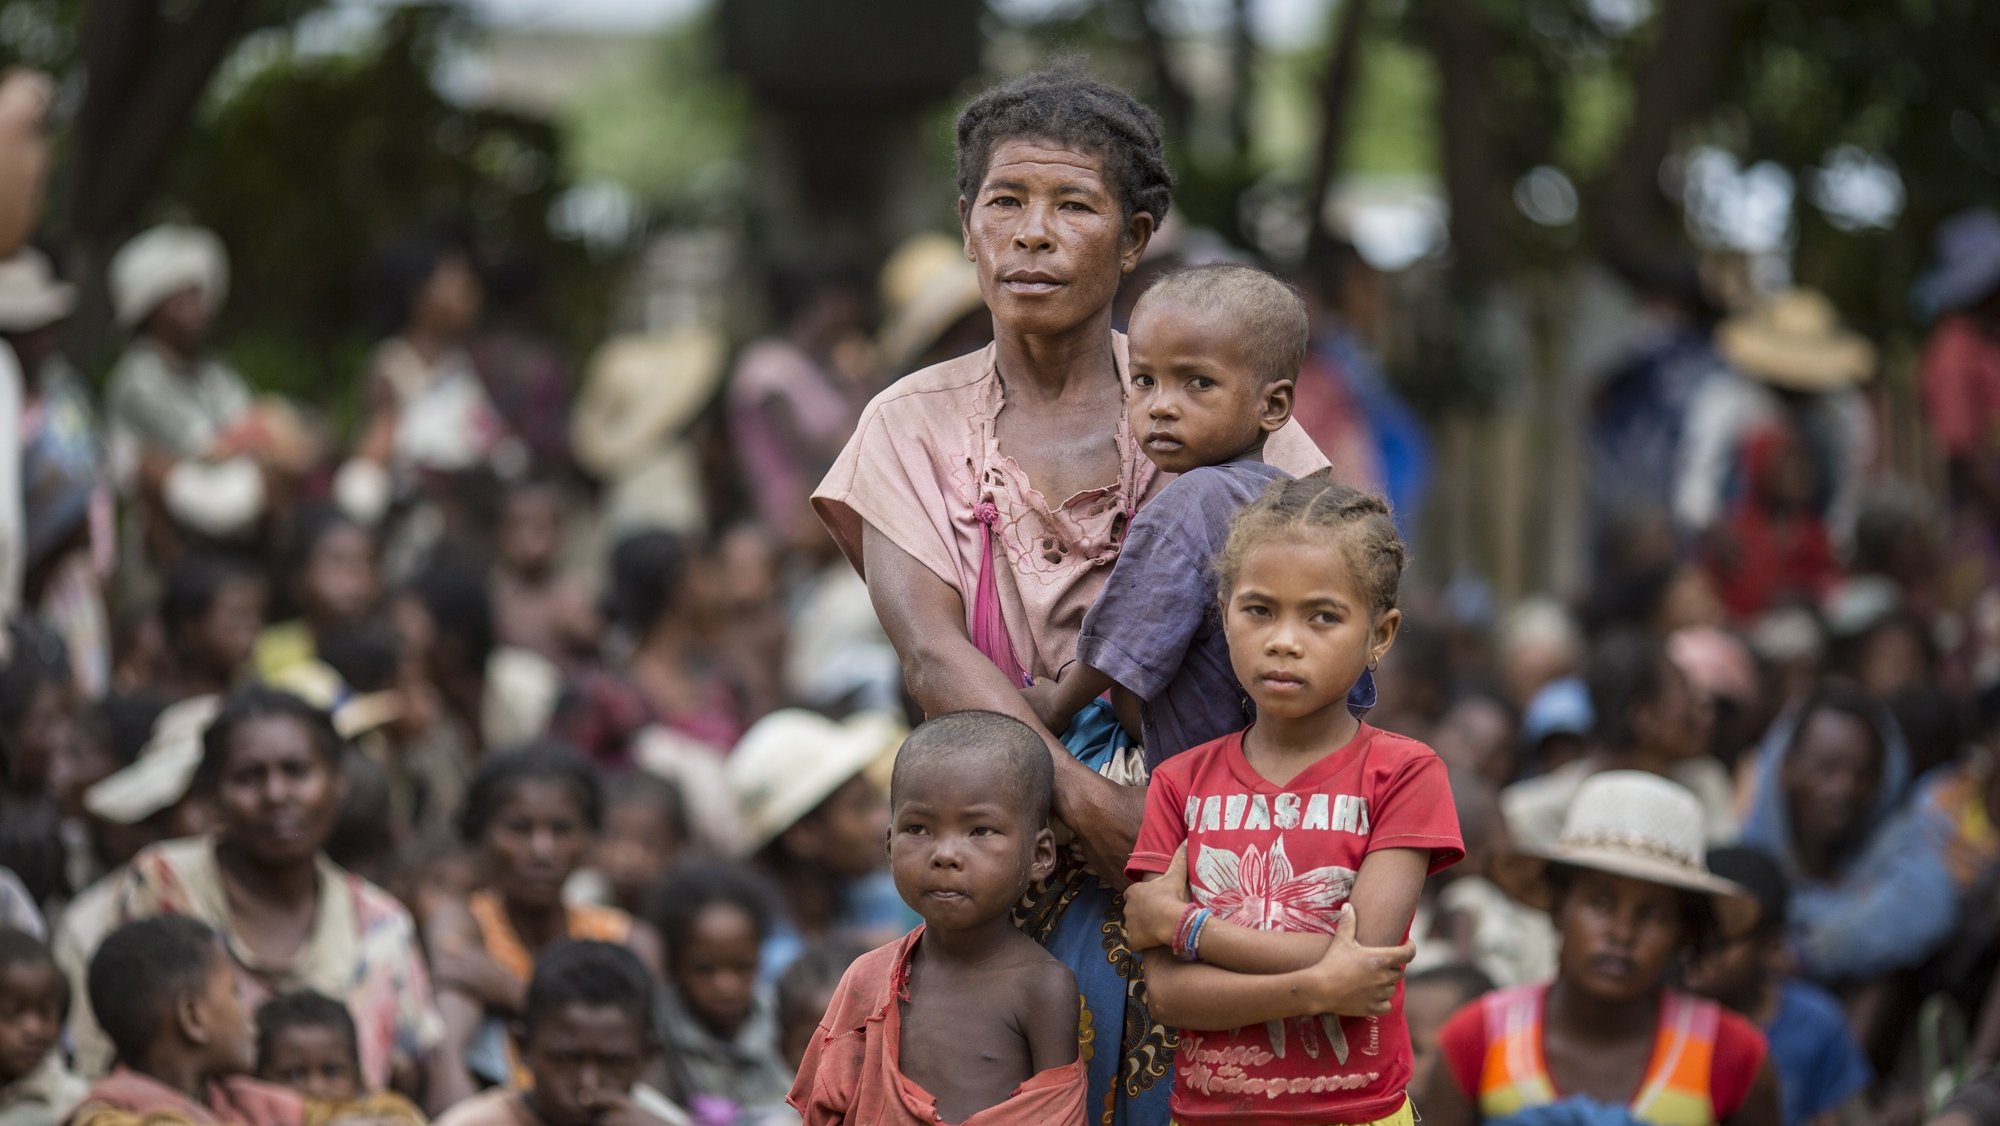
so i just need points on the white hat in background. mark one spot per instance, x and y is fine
(792, 760)
(164, 770)
(160, 263)
(30, 295)
(1629, 823)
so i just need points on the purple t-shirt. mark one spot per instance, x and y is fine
(1156, 629)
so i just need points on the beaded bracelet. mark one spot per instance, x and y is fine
(1183, 928)
(1201, 918)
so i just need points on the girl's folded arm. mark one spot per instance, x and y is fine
(1384, 898)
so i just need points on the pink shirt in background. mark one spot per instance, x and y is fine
(779, 474)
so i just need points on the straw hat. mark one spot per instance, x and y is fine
(639, 392)
(1796, 341)
(30, 295)
(160, 263)
(792, 760)
(927, 286)
(1634, 824)
(164, 770)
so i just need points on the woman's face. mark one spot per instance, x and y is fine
(536, 839)
(1831, 778)
(278, 796)
(1618, 935)
(340, 583)
(229, 629)
(1049, 237)
(449, 302)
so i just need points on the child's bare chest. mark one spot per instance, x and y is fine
(964, 1040)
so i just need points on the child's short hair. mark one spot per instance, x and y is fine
(138, 972)
(499, 773)
(19, 948)
(1467, 979)
(941, 738)
(193, 585)
(660, 795)
(685, 893)
(1318, 505)
(1270, 315)
(589, 973)
(303, 1009)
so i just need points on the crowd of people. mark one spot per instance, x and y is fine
(993, 695)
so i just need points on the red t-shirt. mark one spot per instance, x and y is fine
(1285, 858)
(1738, 1054)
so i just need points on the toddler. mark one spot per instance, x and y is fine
(1215, 350)
(1271, 853)
(586, 1034)
(35, 1088)
(306, 1041)
(712, 920)
(164, 990)
(966, 1019)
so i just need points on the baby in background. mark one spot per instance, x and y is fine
(1215, 352)
(966, 1019)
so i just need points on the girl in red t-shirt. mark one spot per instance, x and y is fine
(1282, 864)
(1606, 1043)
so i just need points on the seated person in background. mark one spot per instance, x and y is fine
(165, 991)
(1430, 996)
(721, 1038)
(1820, 1067)
(1215, 351)
(306, 1041)
(966, 1019)
(35, 1088)
(1464, 917)
(805, 992)
(1608, 1043)
(645, 833)
(536, 605)
(586, 1034)
(331, 584)
(211, 610)
(1829, 782)
(1645, 716)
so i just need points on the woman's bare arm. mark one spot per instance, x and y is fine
(925, 620)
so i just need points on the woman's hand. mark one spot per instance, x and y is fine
(474, 973)
(1353, 980)
(1153, 909)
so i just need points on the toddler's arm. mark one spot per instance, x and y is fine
(1056, 702)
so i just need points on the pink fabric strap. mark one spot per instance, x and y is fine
(989, 625)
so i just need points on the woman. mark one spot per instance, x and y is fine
(1607, 1043)
(529, 815)
(290, 917)
(984, 499)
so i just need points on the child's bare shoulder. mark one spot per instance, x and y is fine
(1036, 977)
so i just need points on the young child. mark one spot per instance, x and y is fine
(1820, 1067)
(1215, 350)
(645, 833)
(537, 606)
(211, 609)
(1607, 1041)
(805, 992)
(721, 1038)
(966, 1019)
(306, 1041)
(35, 1088)
(164, 990)
(1270, 853)
(331, 583)
(586, 1033)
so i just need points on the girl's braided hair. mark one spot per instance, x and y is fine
(1065, 106)
(1317, 505)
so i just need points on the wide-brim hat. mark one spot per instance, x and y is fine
(164, 770)
(31, 297)
(927, 286)
(1796, 341)
(1968, 267)
(639, 392)
(160, 263)
(792, 760)
(1629, 823)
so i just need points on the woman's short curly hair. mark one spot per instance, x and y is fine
(1065, 105)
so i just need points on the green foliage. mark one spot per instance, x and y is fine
(312, 164)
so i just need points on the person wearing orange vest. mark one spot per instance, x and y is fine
(1606, 1043)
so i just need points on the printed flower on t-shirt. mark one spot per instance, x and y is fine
(1258, 889)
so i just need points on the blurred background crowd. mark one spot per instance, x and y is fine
(464, 370)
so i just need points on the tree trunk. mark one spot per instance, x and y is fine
(1336, 109)
(1474, 178)
(1171, 99)
(144, 76)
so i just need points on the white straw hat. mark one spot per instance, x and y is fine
(164, 770)
(1630, 823)
(160, 263)
(30, 295)
(792, 760)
